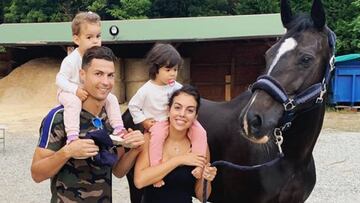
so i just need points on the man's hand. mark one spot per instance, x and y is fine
(148, 123)
(81, 93)
(135, 139)
(83, 148)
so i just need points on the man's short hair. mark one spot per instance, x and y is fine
(97, 53)
(81, 18)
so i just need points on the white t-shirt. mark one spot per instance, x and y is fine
(68, 78)
(151, 101)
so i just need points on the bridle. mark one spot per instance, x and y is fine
(305, 100)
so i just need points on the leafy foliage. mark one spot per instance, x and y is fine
(343, 17)
(257, 7)
(130, 9)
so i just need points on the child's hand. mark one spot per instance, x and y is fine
(81, 93)
(148, 123)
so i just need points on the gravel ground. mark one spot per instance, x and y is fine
(336, 154)
(337, 159)
(16, 184)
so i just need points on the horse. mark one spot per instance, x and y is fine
(281, 114)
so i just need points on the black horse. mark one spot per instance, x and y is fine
(285, 103)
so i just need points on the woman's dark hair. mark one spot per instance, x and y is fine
(187, 89)
(97, 53)
(162, 55)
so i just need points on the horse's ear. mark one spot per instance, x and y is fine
(318, 14)
(286, 14)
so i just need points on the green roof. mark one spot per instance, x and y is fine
(150, 30)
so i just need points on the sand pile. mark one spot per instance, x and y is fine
(32, 83)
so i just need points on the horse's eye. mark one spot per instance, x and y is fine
(306, 61)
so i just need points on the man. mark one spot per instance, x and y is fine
(74, 174)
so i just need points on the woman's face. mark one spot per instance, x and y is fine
(183, 112)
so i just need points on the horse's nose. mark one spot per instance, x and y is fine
(255, 123)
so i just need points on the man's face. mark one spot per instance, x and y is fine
(98, 78)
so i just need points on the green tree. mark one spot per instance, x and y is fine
(356, 29)
(29, 11)
(172, 8)
(256, 6)
(343, 18)
(52, 11)
(130, 9)
(187, 8)
(2, 5)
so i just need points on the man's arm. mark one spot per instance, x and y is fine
(47, 163)
(127, 160)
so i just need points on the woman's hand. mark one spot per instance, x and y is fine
(209, 172)
(191, 159)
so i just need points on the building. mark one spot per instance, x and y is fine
(222, 54)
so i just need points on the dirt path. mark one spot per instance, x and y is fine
(348, 121)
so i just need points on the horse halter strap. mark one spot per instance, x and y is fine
(312, 95)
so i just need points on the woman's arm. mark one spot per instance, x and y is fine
(146, 175)
(208, 174)
(127, 160)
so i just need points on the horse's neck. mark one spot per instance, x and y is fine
(300, 139)
(239, 102)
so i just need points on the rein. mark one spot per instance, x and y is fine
(240, 168)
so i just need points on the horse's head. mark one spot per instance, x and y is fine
(294, 64)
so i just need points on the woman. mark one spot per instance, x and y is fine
(178, 161)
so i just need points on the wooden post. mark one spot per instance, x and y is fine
(227, 87)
